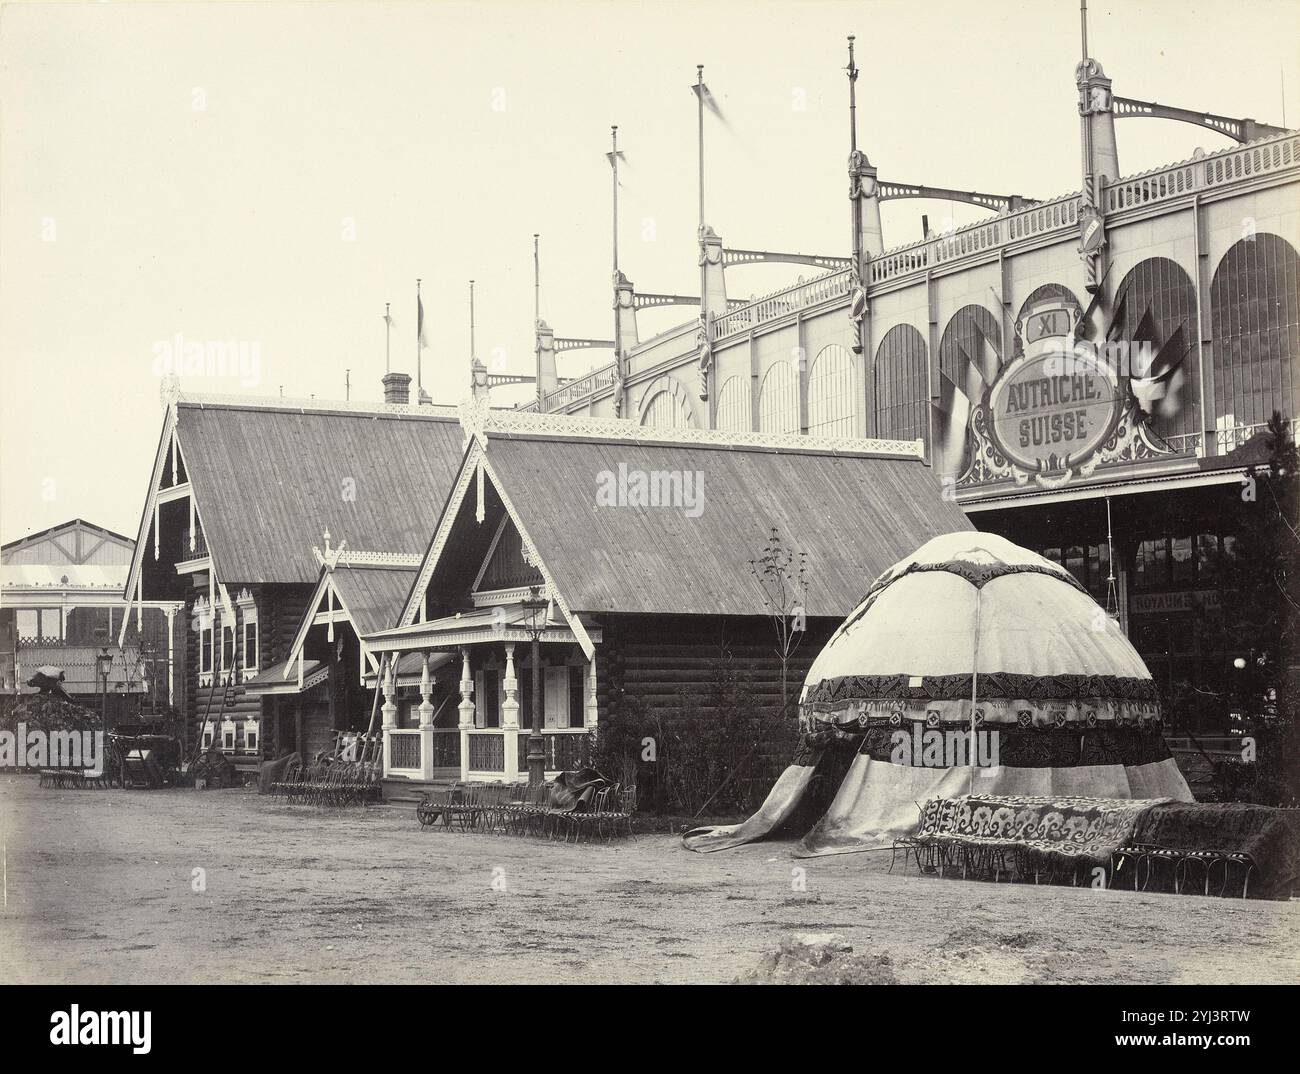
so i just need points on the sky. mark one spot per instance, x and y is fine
(271, 174)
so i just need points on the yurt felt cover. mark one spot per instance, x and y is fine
(969, 634)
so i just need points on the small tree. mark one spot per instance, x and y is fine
(782, 576)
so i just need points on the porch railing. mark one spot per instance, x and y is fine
(200, 548)
(446, 749)
(563, 751)
(487, 752)
(404, 749)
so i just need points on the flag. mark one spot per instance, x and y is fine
(711, 105)
(421, 338)
(615, 159)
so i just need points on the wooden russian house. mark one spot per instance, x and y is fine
(640, 540)
(240, 492)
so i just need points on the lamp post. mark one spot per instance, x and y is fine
(104, 664)
(535, 605)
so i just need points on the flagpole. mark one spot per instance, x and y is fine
(537, 320)
(613, 158)
(472, 355)
(699, 93)
(388, 332)
(618, 313)
(419, 373)
(853, 99)
(856, 220)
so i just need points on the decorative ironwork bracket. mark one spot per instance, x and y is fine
(567, 344)
(1239, 130)
(749, 257)
(999, 202)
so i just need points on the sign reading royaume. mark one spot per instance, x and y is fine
(1055, 405)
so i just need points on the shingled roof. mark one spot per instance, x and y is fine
(855, 511)
(268, 479)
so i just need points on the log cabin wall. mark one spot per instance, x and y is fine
(670, 663)
(279, 609)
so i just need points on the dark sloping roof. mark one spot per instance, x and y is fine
(273, 680)
(854, 516)
(268, 481)
(374, 595)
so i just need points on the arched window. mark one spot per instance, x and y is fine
(1160, 287)
(666, 405)
(972, 342)
(830, 393)
(902, 395)
(1255, 314)
(733, 405)
(778, 400)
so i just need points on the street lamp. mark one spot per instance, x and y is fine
(104, 664)
(535, 605)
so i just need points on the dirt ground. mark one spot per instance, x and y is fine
(100, 888)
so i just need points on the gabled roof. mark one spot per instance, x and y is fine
(368, 594)
(269, 478)
(854, 507)
(64, 527)
(275, 681)
(373, 595)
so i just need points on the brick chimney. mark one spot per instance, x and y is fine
(397, 388)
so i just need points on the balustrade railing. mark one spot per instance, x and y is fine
(1186, 444)
(404, 749)
(446, 749)
(562, 751)
(487, 751)
(595, 381)
(200, 544)
(1235, 436)
(1159, 184)
(1214, 170)
(788, 300)
(1047, 217)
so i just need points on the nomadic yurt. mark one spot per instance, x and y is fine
(973, 666)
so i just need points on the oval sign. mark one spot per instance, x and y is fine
(1053, 408)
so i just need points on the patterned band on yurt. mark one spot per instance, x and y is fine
(971, 668)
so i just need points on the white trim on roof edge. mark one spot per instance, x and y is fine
(261, 402)
(481, 423)
(168, 446)
(475, 457)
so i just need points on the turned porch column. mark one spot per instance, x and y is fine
(386, 682)
(591, 711)
(466, 709)
(510, 716)
(426, 718)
